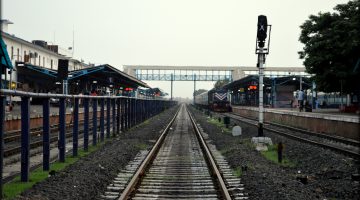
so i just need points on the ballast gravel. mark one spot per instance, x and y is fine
(89, 177)
(316, 173)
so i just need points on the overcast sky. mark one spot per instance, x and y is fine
(166, 32)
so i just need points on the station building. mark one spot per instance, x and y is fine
(279, 92)
(36, 68)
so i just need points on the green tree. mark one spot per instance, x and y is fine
(220, 83)
(332, 48)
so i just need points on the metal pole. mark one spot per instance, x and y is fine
(65, 86)
(108, 102)
(113, 116)
(261, 106)
(10, 100)
(102, 119)
(76, 127)
(62, 130)
(172, 79)
(86, 124)
(46, 134)
(25, 139)
(119, 114)
(194, 88)
(94, 122)
(2, 129)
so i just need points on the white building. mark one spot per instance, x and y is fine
(37, 52)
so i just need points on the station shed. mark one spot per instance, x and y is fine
(104, 79)
(278, 91)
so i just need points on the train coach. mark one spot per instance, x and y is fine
(215, 100)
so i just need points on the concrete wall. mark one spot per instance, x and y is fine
(332, 125)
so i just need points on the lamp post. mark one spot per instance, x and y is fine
(261, 51)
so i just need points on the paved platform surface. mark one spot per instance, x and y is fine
(331, 114)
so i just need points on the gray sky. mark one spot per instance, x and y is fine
(166, 32)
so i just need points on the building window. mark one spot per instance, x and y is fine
(18, 54)
(12, 52)
(51, 64)
(39, 60)
(43, 61)
(24, 56)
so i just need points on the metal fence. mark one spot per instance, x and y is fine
(121, 113)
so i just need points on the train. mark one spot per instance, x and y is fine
(215, 99)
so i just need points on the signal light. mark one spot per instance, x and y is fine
(262, 30)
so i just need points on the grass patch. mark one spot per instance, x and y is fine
(146, 122)
(220, 125)
(141, 146)
(237, 172)
(15, 187)
(271, 155)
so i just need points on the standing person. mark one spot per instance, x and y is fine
(280, 149)
(301, 100)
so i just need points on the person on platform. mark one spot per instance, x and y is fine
(300, 98)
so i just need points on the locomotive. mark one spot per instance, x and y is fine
(215, 100)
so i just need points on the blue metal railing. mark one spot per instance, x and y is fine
(126, 112)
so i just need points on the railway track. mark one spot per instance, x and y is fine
(179, 166)
(341, 145)
(12, 141)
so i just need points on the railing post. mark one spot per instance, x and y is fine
(25, 139)
(137, 114)
(94, 142)
(132, 113)
(121, 114)
(118, 116)
(126, 113)
(102, 119)
(46, 134)
(146, 109)
(2, 130)
(62, 130)
(86, 124)
(108, 121)
(114, 116)
(143, 110)
(76, 127)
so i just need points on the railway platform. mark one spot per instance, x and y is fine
(328, 121)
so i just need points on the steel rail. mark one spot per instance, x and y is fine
(39, 142)
(144, 165)
(311, 133)
(211, 161)
(340, 150)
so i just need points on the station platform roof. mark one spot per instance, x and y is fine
(104, 75)
(4, 56)
(248, 80)
(268, 81)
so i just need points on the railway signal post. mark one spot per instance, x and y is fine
(262, 29)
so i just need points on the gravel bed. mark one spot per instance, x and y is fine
(89, 177)
(328, 174)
